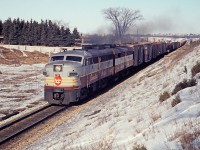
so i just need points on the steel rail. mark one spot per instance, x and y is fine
(22, 117)
(15, 128)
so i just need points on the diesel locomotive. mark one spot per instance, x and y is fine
(72, 75)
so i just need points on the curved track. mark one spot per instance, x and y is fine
(16, 127)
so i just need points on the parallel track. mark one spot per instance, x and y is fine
(18, 126)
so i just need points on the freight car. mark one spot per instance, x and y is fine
(72, 75)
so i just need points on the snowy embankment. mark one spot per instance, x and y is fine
(21, 81)
(21, 88)
(131, 116)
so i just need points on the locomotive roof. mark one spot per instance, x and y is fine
(92, 52)
(73, 52)
(106, 51)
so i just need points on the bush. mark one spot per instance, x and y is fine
(185, 69)
(195, 69)
(164, 96)
(139, 147)
(184, 84)
(176, 101)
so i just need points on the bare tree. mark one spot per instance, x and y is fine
(122, 19)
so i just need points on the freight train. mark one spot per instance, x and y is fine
(72, 75)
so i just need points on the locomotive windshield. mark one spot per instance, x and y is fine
(74, 58)
(56, 58)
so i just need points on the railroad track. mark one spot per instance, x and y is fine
(18, 126)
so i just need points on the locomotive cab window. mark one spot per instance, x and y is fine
(74, 58)
(57, 58)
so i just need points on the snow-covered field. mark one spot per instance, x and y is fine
(130, 115)
(21, 88)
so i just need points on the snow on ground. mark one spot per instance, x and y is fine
(131, 116)
(21, 88)
(42, 49)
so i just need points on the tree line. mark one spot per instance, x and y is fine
(45, 33)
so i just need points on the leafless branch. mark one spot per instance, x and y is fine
(122, 19)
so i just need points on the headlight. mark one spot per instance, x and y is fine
(57, 68)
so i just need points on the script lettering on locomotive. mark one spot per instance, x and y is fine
(57, 79)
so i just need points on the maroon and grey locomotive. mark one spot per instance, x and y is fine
(73, 74)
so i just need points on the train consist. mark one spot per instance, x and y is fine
(72, 75)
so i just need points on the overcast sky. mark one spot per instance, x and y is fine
(160, 16)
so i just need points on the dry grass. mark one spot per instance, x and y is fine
(102, 120)
(18, 100)
(6, 90)
(186, 132)
(5, 112)
(16, 57)
(14, 96)
(176, 134)
(184, 84)
(20, 109)
(182, 52)
(130, 119)
(30, 106)
(35, 103)
(30, 91)
(139, 147)
(195, 69)
(137, 130)
(187, 138)
(155, 117)
(139, 117)
(94, 113)
(9, 112)
(102, 144)
(164, 96)
(176, 101)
